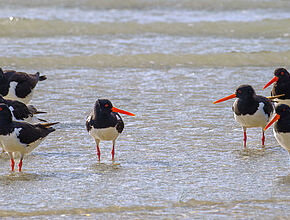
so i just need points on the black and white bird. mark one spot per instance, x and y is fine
(22, 112)
(104, 123)
(282, 126)
(281, 86)
(20, 137)
(18, 85)
(250, 110)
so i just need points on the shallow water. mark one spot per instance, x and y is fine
(181, 157)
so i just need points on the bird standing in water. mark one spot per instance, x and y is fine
(20, 137)
(22, 112)
(250, 110)
(104, 123)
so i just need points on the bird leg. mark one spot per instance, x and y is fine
(245, 137)
(12, 161)
(263, 138)
(20, 163)
(98, 149)
(113, 151)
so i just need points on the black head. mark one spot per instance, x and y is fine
(244, 91)
(5, 114)
(104, 105)
(282, 110)
(281, 73)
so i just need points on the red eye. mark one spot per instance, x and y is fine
(106, 105)
(1, 109)
(282, 73)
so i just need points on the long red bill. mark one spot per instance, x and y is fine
(225, 98)
(122, 111)
(275, 79)
(276, 117)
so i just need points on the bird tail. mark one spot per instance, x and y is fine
(40, 78)
(42, 120)
(34, 110)
(39, 112)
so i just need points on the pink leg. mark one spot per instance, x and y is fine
(113, 151)
(12, 164)
(263, 139)
(20, 164)
(98, 150)
(12, 161)
(245, 137)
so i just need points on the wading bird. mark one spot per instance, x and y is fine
(250, 110)
(104, 123)
(20, 137)
(18, 85)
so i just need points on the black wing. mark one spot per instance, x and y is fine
(20, 111)
(268, 105)
(31, 133)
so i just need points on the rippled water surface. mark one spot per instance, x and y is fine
(181, 157)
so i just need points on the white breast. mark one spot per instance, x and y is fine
(106, 134)
(259, 119)
(11, 143)
(283, 139)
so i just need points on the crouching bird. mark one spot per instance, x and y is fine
(250, 110)
(18, 85)
(20, 137)
(104, 123)
(282, 125)
(22, 112)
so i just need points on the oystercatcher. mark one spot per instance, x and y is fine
(281, 86)
(18, 85)
(20, 137)
(250, 110)
(104, 123)
(22, 112)
(282, 126)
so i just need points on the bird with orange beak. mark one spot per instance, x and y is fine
(250, 110)
(281, 123)
(281, 86)
(104, 123)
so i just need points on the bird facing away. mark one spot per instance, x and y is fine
(104, 123)
(281, 85)
(20, 137)
(18, 85)
(282, 126)
(250, 110)
(22, 112)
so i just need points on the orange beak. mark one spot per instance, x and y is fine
(276, 117)
(275, 79)
(225, 98)
(122, 111)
